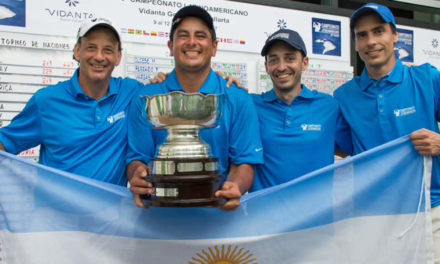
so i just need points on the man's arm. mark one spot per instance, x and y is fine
(341, 153)
(137, 171)
(230, 80)
(426, 142)
(245, 148)
(24, 131)
(140, 149)
(239, 180)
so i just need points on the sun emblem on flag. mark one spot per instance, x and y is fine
(224, 255)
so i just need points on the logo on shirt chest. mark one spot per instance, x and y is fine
(116, 117)
(311, 127)
(404, 111)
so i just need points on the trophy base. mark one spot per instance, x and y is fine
(187, 187)
(183, 202)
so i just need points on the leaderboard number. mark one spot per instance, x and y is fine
(69, 64)
(47, 71)
(47, 80)
(68, 72)
(47, 63)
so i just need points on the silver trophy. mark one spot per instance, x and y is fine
(184, 171)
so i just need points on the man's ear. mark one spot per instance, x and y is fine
(305, 63)
(75, 52)
(395, 36)
(214, 47)
(170, 46)
(119, 58)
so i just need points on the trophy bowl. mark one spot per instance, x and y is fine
(184, 171)
(178, 108)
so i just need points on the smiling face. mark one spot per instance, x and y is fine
(374, 40)
(192, 46)
(98, 54)
(285, 64)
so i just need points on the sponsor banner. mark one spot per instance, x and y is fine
(349, 212)
(404, 48)
(326, 37)
(13, 13)
(239, 26)
(426, 45)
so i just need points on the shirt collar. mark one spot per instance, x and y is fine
(208, 86)
(305, 93)
(77, 91)
(76, 88)
(172, 84)
(269, 96)
(395, 76)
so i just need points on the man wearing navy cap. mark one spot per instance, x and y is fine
(80, 124)
(389, 100)
(235, 141)
(299, 127)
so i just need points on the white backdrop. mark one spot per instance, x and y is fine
(37, 38)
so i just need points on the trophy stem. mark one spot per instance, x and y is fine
(183, 134)
(183, 141)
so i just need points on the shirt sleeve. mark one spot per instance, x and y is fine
(141, 145)
(343, 139)
(24, 131)
(245, 142)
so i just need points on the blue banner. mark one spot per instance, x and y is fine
(326, 37)
(404, 48)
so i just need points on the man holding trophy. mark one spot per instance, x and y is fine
(192, 97)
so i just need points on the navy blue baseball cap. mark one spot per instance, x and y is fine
(193, 11)
(383, 11)
(288, 36)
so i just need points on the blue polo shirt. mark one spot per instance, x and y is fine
(298, 137)
(77, 133)
(236, 138)
(401, 102)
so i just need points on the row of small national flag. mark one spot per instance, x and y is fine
(144, 32)
(132, 31)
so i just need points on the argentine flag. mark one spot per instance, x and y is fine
(370, 208)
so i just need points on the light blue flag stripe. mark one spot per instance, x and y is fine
(382, 181)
